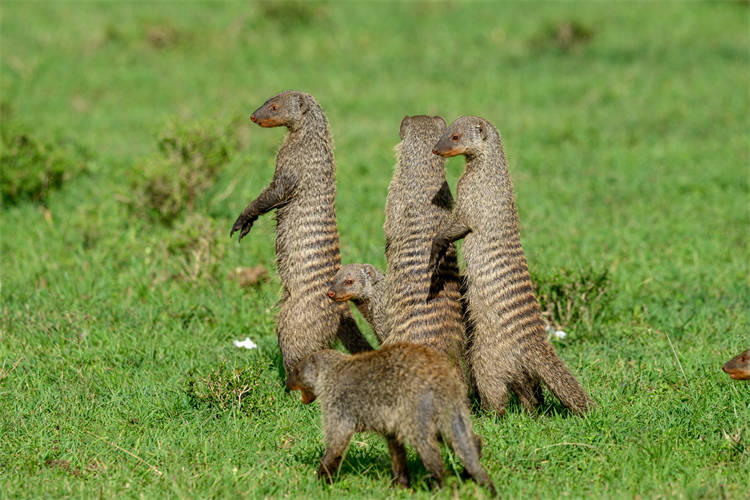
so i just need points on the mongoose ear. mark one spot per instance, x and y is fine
(370, 271)
(440, 120)
(402, 129)
(482, 131)
(302, 103)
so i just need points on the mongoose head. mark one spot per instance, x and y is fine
(468, 135)
(738, 367)
(353, 282)
(287, 109)
(427, 128)
(308, 375)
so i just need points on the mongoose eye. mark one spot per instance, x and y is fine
(456, 137)
(274, 107)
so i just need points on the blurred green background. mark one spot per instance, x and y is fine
(127, 153)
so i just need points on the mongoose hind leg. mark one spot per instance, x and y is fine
(336, 444)
(493, 392)
(398, 462)
(528, 389)
(429, 451)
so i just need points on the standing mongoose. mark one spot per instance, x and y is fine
(303, 192)
(364, 285)
(418, 201)
(738, 367)
(509, 348)
(406, 392)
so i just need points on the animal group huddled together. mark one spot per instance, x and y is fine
(439, 332)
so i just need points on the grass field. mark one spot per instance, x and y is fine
(626, 128)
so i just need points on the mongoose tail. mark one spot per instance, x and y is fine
(467, 445)
(561, 382)
(738, 367)
(509, 350)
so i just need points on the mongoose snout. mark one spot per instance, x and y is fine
(738, 367)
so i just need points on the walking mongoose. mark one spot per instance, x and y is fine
(303, 192)
(408, 393)
(738, 367)
(362, 284)
(418, 201)
(509, 348)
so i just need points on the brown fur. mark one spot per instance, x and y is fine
(739, 366)
(509, 348)
(406, 392)
(362, 284)
(419, 200)
(303, 191)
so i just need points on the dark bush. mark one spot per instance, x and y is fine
(31, 168)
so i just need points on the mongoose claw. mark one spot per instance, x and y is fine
(243, 225)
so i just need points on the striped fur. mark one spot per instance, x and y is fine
(509, 348)
(418, 201)
(307, 239)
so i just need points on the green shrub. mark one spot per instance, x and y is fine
(31, 168)
(172, 181)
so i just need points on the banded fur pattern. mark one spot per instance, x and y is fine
(509, 349)
(419, 200)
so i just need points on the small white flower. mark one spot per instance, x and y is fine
(560, 334)
(247, 343)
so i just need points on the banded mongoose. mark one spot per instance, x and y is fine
(418, 201)
(738, 367)
(509, 348)
(406, 392)
(363, 284)
(303, 192)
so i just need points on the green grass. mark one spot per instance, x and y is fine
(626, 129)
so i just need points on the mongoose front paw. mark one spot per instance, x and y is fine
(243, 224)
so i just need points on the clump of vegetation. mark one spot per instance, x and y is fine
(564, 36)
(291, 13)
(197, 247)
(230, 389)
(568, 298)
(31, 168)
(162, 36)
(188, 161)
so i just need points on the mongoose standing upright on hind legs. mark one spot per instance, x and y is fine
(303, 192)
(418, 201)
(406, 392)
(509, 348)
(364, 285)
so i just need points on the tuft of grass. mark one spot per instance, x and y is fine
(31, 168)
(196, 246)
(562, 36)
(224, 389)
(568, 298)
